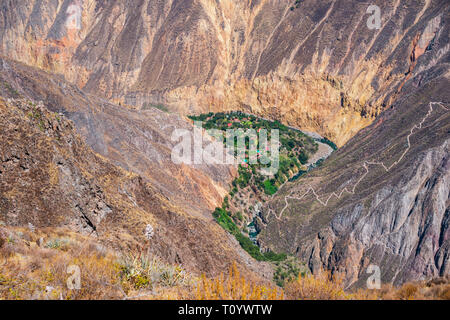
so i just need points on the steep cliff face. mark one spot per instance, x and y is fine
(382, 199)
(317, 66)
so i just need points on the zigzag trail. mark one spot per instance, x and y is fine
(286, 11)
(365, 166)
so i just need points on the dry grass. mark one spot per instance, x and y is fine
(323, 287)
(436, 289)
(34, 268)
(231, 286)
(235, 287)
(34, 265)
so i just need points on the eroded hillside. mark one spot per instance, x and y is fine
(318, 66)
(51, 178)
(382, 199)
(380, 94)
(138, 141)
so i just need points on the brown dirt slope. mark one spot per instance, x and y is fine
(137, 140)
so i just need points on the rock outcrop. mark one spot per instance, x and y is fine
(137, 140)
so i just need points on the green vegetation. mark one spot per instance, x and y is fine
(296, 5)
(277, 257)
(269, 188)
(144, 271)
(287, 270)
(295, 149)
(330, 143)
(252, 182)
(57, 243)
(223, 218)
(36, 115)
(13, 92)
(298, 175)
(254, 251)
(249, 246)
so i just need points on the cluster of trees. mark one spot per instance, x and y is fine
(330, 143)
(269, 186)
(221, 121)
(223, 218)
(295, 148)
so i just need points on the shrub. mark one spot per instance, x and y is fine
(143, 271)
(226, 203)
(269, 188)
(288, 270)
(224, 220)
(57, 244)
(272, 256)
(249, 246)
(303, 158)
(234, 287)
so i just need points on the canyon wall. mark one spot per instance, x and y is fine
(315, 65)
(382, 199)
(136, 140)
(50, 178)
(381, 94)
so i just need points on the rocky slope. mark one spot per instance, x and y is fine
(382, 199)
(50, 178)
(317, 66)
(139, 141)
